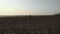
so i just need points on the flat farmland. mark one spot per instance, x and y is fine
(30, 24)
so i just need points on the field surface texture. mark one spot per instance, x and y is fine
(30, 24)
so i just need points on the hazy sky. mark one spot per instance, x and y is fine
(26, 7)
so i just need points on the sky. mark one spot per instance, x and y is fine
(29, 7)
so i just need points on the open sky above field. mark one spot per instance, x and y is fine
(29, 7)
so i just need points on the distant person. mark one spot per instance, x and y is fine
(29, 16)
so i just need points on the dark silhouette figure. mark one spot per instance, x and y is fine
(29, 16)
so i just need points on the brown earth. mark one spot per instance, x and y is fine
(30, 24)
